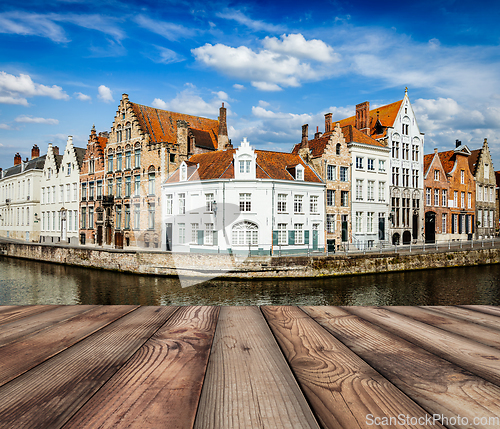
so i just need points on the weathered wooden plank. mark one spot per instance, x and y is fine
(15, 312)
(488, 309)
(48, 395)
(473, 356)
(436, 384)
(160, 385)
(341, 388)
(13, 331)
(470, 316)
(481, 334)
(20, 356)
(248, 383)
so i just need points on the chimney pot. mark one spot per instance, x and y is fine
(305, 135)
(458, 143)
(35, 152)
(328, 122)
(17, 159)
(55, 150)
(362, 122)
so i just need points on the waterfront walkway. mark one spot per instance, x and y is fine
(249, 367)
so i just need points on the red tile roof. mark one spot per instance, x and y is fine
(473, 158)
(428, 161)
(270, 165)
(352, 134)
(447, 160)
(161, 125)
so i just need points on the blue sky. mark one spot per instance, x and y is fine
(64, 65)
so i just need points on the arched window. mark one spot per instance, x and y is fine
(128, 131)
(337, 149)
(245, 233)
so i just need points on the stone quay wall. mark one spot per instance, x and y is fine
(228, 266)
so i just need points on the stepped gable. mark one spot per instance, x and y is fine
(161, 125)
(270, 165)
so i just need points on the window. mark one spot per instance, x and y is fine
(344, 176)
(137, 185)
(91, 190)
(118, 217)
(406, 177)
(83, 220)
(443, 223)
(469, 200)
(119, 187)
(330, 197)
(137, 216)
(436, 174)
(281, 203)
(209, 234)
(381, 191)
(68, 192)
(395, 176)
(151, 217)
(299, 173)
(128, 160)
(182, 233)
(359, 190)
(444, 198)
(209, 202)
(91, 166)
(406, 151)
(455, 199)
(297, 203)
(43, 195)
(282, 238)
(436, 197)
(84, 191)
(485, 214)
(313, 204)
(492, 214)
(151, 183)
(75, 191)
(371, 190)
(245, 233)
(128, 186)
(415, 178)
(127, 217)
(330, 223)
(358, 221)
(491, 195)
(119, 161)
(480, 193)
(68, 168)
(168, 204)
(137, 154)
(331, 172)
(194, 232)
(337, 149)
(91, 217)
(480, 217)
(110, 163)
(299, 233)
(428, 196)
(99, 189)
(245, 166)
(462, 200)
(182, 203)
(110, 187)
(381, 165)
(359, 162)
(462, 177)
(395, 149)
(344, 198)
(70, 219)
(245, 202)
(371, 164)
(128, 132)
(369, 222)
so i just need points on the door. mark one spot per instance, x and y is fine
(315, 239)
(430, 227)
(118, 240)
(415, 227)
(99, 235)
(344, 229)
(168, 237)
(108, 235)
(381, 228)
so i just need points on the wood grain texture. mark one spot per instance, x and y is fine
(20, 356)
(469, 316)
(248, 383)
(481, 334)
(437, 385)
(475, 357)
(341, 388)
(488, 309)
(48, 395)
(13, 331)
(15, 312)
(160, 385)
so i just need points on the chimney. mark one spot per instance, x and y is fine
(222, 139)
(328, 122)
(305, 136)
(17, 159)
(55, 150)
(363, 117)
(317, 133)
(458, 143)
(435, 150)
(35, 152)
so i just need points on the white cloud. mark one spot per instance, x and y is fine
(238, 86)
(16, 89)
(256, 25)
(104, 94)
(263, 103)
(190, 102)
(82, 97)
(32, 120)
(4, 127)
(168, 30)
(297, 46)
(165, 56)
(30, 24)
(266, 69)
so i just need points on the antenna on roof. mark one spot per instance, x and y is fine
(406, 90)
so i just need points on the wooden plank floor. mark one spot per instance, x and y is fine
(249, 367)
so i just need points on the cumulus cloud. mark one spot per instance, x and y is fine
(238, 86)
(32, 120)
(168, 30)
(189, 101)
(270, 69)
(82, 97)
(104, 94)
(297, 46)
(16, 89)
(4, 127)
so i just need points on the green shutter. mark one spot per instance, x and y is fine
(200, 237)
(275, 238)
(291, 237)
(216, 237)
(306, 237)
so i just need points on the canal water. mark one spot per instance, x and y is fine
(27, 283)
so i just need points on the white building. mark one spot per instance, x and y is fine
(243, 201)
(370, 189)
(20, 197)
(59, 202)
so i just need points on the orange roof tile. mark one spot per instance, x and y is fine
(447, 160)
(103, 141)
(352, 134)
(428, 161)
(473, 158)
(161, 125)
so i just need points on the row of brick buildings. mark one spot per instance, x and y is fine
(378, 186)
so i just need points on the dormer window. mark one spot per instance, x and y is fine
(245, 166)
(299, 172)
(183, 172)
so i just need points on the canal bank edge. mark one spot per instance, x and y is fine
(234, 267)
